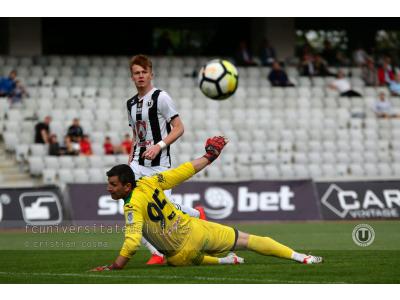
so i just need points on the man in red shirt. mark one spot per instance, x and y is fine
(108, 146)
(85, 145)
(126, 144)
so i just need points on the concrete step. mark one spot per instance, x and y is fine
(11, 174)
(7, 163)
(16, 177)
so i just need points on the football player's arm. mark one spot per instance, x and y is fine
(132, 125)
(133, 145)
(176, 132)
(133, 236)
(167, 109)
(169, 179)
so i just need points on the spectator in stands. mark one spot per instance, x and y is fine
(42, 131)
(314, 66)
(321, 67)
(108, 146)
(360, 56)
(267, 53)
(329, 54)
(278, 76)
(54, 146)
(70, 147)
(126, 145)
(394, 86)
(369, 73)
(383, 108)
(85, 145)
(75, 131)
(7, 84)
(244, 56)
(385, 72)
(307, 65)
(342, 85)
(18, 93)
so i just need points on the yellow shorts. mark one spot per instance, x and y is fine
(205, 238)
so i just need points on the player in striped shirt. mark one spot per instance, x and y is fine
(156, 125)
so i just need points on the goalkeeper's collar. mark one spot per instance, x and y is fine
(128, 198)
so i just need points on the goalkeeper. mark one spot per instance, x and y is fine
(182, 239)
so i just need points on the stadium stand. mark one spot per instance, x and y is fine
(306, 131)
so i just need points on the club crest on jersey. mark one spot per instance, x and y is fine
(160, 178)
(141, 130)
(129, 217)
(150, 103)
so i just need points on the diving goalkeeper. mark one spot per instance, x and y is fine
(182, 239)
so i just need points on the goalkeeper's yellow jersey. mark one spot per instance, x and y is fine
(149, 213)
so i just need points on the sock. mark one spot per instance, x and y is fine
(150, 247)
(298, 256)
(210, 260)
(267, 246)
(190, 211)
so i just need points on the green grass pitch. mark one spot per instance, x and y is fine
(35, 258)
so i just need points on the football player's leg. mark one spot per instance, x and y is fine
(149, 246)
(230, 259)
(267, 246)
(186, 209)
(156, 257)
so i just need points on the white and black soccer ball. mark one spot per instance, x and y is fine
(218, 79)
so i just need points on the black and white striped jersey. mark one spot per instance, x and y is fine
(150, 118)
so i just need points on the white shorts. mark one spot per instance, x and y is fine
(141, 171)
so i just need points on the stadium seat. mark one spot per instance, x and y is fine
(229, 172)
(11, 140)
(301, 171)
(385, 170)
(341, 169)
(243, 158)
(49, 176)
(51, 162)
(67, 162)
(79, 161)
(65, 176)
(21, 152)
(287, 171)
(38, 149)
(272, 172)
(356, 169)
(95, 161)
(329, 170)
(315, 171)
(80, 175)
(213, 173)
(122, 159)
(342, 157)
(109, 160)
(257, 172)
(96, 175)
(36, 165)
(371, 170)
(396, 169)
(329, 157)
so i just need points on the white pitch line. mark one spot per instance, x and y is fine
(157, 277)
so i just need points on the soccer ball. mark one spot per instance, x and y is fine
(218, 79)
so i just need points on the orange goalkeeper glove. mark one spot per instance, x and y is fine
(214, 147)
